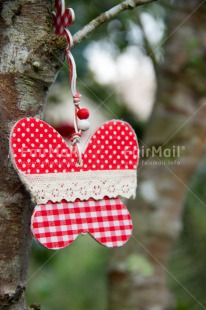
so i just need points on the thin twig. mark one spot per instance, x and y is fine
(106, 16)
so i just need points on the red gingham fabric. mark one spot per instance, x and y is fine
(37, 148)
(62, 19)
(56, 225)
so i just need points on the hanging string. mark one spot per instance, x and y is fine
(76, 137)
(62, 19)
(73, 72)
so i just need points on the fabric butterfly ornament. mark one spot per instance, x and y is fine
(72, 198)
(76, 192)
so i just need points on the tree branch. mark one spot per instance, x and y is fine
(106, 16)
(149, 50)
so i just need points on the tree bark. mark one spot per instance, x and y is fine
(29, 60)
(138, 272)
(30, 57)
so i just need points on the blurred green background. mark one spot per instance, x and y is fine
(76, 277)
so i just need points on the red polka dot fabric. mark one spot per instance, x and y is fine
(37, 148)
(63, 18)
(57, 225)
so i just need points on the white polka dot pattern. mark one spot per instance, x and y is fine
(37, 148)
(48, 167)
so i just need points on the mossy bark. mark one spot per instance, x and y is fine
(26, 38)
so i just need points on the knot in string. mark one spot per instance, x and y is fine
(75, 138)
(64, 18)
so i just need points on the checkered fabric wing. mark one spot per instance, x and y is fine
(56, 225)
(62, 19)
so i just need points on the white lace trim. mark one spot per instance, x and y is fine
(82, 185)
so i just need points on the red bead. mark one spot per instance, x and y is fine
(83, 113)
